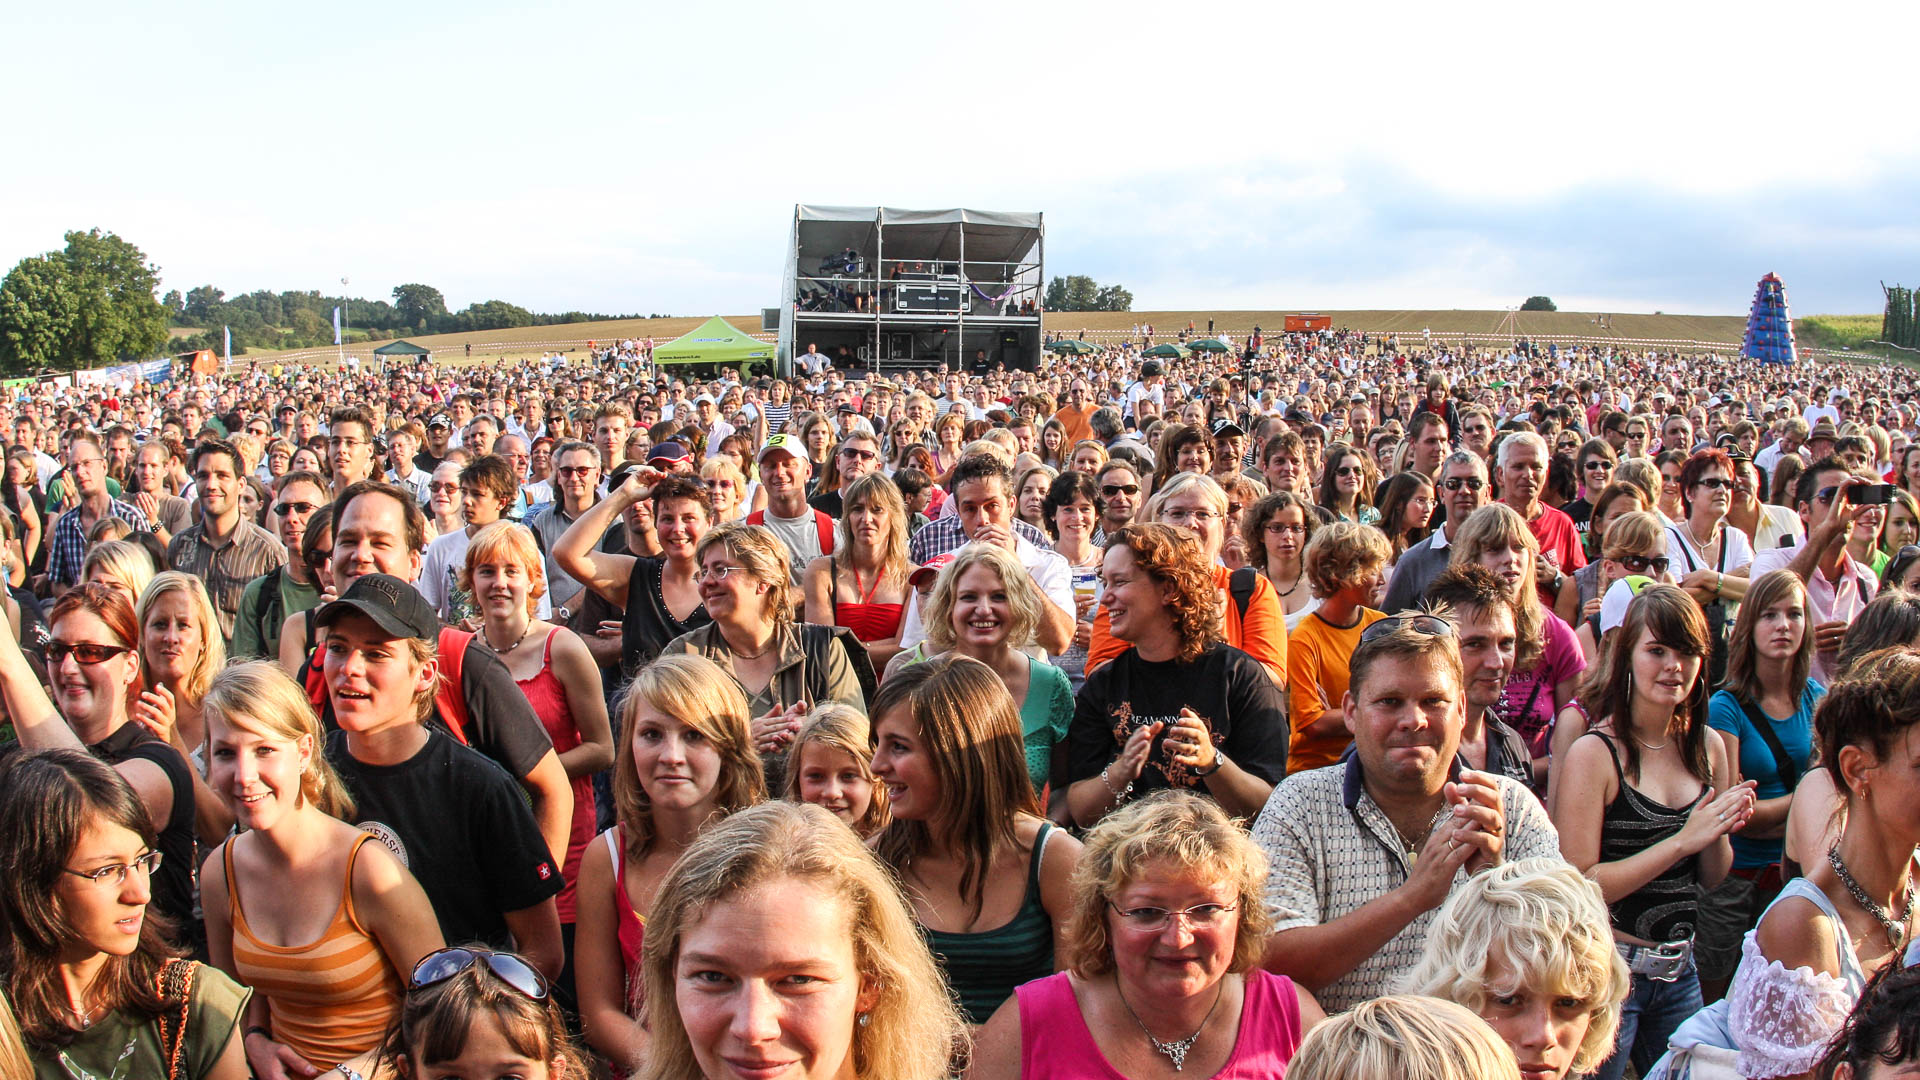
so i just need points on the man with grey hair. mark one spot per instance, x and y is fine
(1106, 425)
(1523, 473)
(1463, 489)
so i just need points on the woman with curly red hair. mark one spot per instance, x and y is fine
(1179, 708)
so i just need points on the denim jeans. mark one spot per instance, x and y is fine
(1648, 1019)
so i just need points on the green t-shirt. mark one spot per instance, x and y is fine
(213, 1019)
(57, 491)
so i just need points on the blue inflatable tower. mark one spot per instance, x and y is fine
(1769, 326)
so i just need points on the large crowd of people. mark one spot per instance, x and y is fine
(1341, 706)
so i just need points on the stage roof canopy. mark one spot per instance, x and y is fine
(992, 235)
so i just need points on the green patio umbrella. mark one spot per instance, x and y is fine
(1207, 344)
(1167, 351)
(1069, 345)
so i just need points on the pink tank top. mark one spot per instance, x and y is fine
(633, 927)
(1055, 1041)
(549, 701)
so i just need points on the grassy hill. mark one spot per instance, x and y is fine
(1825, 331)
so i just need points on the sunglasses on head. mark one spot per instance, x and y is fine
(437, 967)
(1419, 623)
(86, 654)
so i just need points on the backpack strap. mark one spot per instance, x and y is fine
(758, 517)
(817, 642)
(449, 693)
(1240, 586)
(1789, 772)
(824, 523)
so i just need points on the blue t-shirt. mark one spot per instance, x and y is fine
(1757, 763)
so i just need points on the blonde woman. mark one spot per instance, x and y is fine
(326, 960)
(686, 760)
(1404, 1038)
(506, 575)
(725, 488)
(863, 584)
(983, 604)
(180, 652)
(121, 565)
(782, 888)
(833, 769)
(1526, 946)
(783, 666)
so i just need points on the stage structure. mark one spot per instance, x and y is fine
(888, 289)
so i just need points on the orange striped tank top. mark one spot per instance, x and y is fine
(332, 999)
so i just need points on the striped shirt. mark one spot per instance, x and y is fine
(67, 551)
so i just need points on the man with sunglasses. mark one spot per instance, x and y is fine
(1364, 851)
(1120, 494)
(858, 455)
(1463, 489)
(1838, 586)
(283, 590)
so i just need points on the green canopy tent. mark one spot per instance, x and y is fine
(1212, 345)
(401, 348)
(716, 343)
(1068, 345)
(1166, 351)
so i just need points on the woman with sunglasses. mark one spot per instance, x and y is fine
(1610, 504)
(1701, 548)
(1635, 543)
(1593, 472)
(1346, 486)
(325, 962)
(1645, 807)
(472, 1012)
(89, 973)
(94, 668)
(724, 485)
(686, 760)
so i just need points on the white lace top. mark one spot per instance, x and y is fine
(1781, 1019)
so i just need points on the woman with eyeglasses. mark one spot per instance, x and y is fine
(93, 667)
(1169, 875)
(1701, 548)
(326, 959)
(686, 761)
(1277, 531)
(781, 664)
(97, 989)
(1645, 806)
(443, 500)
(1346, 486)
(472, 1012)
(724, 485)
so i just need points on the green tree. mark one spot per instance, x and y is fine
(1539, 303)
(38, 310)
(90, 304)
(203, 305)
(1075, 292)
(1113, 298)
(418, 305)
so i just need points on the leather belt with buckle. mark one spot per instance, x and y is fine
(1662, 963)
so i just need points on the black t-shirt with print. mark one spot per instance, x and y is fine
(1229, 690)
(462, 826)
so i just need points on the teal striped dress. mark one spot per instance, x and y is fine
(984, 968)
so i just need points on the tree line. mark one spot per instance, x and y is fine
(93, 304)
(1078, 292)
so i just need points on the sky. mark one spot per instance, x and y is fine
(640, 158)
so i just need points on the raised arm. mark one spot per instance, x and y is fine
(38, 724)
(606, 573)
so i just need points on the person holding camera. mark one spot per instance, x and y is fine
(1838, 586)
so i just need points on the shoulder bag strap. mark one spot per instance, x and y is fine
(1789, 772)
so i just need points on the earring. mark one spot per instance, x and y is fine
(865, 1019)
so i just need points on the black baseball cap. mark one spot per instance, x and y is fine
(395, 606)
(1225, 426)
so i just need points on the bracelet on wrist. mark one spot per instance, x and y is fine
(1119, 794)
(257, 1029)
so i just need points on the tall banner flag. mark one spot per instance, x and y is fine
(336, 324)
(227, 352)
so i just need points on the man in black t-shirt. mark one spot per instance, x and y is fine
(456, 820)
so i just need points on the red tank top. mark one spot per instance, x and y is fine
(549, 701)
(867, 620)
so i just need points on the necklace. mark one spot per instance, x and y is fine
(84, 1020)
(499, 651)
(1896, 932)
(1650, 746)
(1175, 1051)
(1296, 582)
(757, 655)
